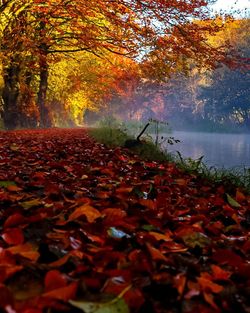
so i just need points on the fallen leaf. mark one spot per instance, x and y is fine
(220, 274)
(91, 213)
(14, 220)
(159, 236)
(7, 183)
(65, 293)
(209, 298)
(207, 285)
(232, 202)
(54, 280)
(31, 203)
(27, 250)
(156, 254)
(114, 306)
(13, 236)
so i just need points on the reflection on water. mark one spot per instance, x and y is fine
(220, 150)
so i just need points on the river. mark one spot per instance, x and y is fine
(219, 150)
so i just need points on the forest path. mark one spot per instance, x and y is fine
(79, 220)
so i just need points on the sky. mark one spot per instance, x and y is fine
(229, 5)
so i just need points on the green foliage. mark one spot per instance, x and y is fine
(109, 136)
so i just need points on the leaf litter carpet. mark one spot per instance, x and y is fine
(86, 228)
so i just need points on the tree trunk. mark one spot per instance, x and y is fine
(42, 92)
(10, 96)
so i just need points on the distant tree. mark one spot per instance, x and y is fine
(227, 96)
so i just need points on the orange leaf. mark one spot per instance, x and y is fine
(13, 188)
(181, 181)
(210, 299)
(27, 250)
(114, 214)
(208, 286)
(60, 261)
(180, 283)
(54, 280)
(91, 213)
(156, 254)
(159, 236)
(124, 190)
(150, 204)
(64, 293)
(13, 236)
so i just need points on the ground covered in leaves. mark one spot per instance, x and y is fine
(85, 228)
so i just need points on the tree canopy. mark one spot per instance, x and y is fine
(35, 35)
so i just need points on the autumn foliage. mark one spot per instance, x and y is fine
(85, 224)
(38, 37)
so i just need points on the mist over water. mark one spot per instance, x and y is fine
(219, 150)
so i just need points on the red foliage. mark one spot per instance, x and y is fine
(79, 219)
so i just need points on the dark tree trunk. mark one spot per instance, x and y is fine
(42, 92)
(10, 96)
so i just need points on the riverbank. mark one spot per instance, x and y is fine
(91, 228)
(233, 177)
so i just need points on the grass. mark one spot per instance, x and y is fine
(230, 178)
(114, 137)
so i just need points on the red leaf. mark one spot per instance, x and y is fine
(6, 296)
(219, 273)
(7, 271)
(240, 197)
(13, 236)
(65, 293)
(54, 280)
(60, 261)
(224, 256)
(14, 220)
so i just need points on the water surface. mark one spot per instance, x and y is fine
(220, 150)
